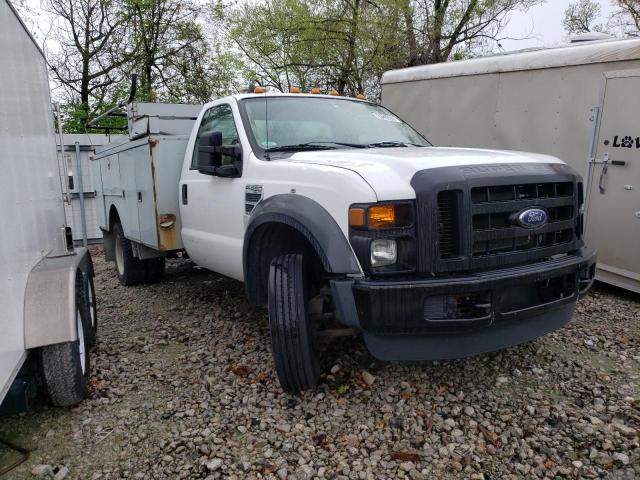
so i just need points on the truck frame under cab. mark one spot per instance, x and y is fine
(337, 214)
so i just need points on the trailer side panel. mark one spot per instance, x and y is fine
(30, 190)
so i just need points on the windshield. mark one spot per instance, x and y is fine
(307, 123)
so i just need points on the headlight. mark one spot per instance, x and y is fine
(384, 251)
(383, 236)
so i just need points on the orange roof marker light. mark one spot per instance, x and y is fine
(360, 96)
(294, 90)
(259, 89)
(316, 91)
(334, 92)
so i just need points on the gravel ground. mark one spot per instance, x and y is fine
(183, 387)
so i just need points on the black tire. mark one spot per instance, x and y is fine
(154, 269)
(91, 311)
(130, 270)
(62, 364)
(292, 346)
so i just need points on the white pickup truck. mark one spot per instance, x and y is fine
(333, 211)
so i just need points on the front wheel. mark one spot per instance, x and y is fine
(293, 350)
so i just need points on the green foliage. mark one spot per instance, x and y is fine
(192, 51)
(348, 44)
(73, 119)
(344, 45)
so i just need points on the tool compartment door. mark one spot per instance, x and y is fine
(613, 210)
(146, 194)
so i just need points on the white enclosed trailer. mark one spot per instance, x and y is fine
(580, 103)
(46, 288)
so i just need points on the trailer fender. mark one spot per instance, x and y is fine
(309, 219)
(49, 310)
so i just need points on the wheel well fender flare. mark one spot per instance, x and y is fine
(313, 222)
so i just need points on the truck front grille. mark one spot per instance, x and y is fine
(467, 218)
(494, 207)
(448, 224)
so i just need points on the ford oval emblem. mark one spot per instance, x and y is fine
(532, 217)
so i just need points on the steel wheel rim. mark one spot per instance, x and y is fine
(92, 304)
(119, 256)
(81, 345)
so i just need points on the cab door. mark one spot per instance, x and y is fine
(211, 207)
(613, 208)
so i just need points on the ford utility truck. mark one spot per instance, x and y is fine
(335, 212)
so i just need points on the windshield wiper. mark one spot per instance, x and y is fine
(298, 147)
(318, 145)
(393, 143)
(342, 144)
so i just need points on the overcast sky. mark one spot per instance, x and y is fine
(542, 24)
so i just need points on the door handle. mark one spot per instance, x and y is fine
(185, 196)
(603, 173)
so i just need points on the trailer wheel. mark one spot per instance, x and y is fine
(130, 270)
(154, 269)
(65, 366)
(293, 350)
(91, 311)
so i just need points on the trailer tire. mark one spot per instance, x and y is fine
(130, 270)
(295, 357)
(65, 366)
(154, 269)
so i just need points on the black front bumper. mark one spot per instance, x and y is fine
(459, 316)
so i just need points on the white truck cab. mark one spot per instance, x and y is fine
(334, 211)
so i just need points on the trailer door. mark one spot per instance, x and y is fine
(613, 209)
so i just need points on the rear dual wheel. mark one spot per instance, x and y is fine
(292, 336)
(132, 270)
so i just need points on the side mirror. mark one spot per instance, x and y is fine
(208, 158)
(210, 152)
(227, 171)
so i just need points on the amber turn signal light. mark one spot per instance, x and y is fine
(259, 90)
(381, 216)
(295, 90)
(357, 217)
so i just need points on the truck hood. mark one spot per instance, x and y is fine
(389, 170)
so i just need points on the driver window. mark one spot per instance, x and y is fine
(218, 118)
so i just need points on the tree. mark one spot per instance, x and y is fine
(581, 17)
(438, 29)
(172, 55)
(627, 17)
(348, 44)
(88, 49)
